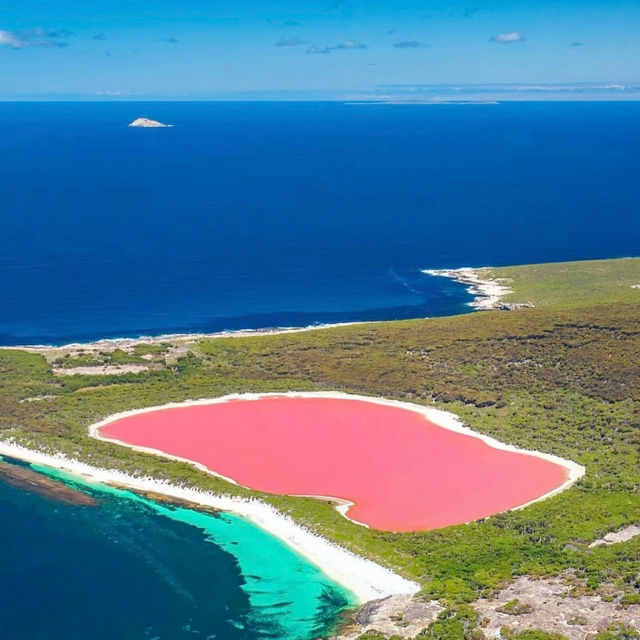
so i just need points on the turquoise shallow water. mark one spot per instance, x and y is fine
(134, 568)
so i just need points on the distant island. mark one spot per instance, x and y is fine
(146, 123)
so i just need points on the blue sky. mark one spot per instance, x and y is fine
(143, 49)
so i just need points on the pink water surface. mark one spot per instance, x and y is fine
(401, 471)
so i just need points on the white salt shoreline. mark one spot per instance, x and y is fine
(444, 419)
(366, 579)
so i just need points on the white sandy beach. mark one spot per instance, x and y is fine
(366, 579)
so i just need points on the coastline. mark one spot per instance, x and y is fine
(540, 433)
(26, 479)
(176, 338)
(487, 292)
(364, 578)
(439, 417)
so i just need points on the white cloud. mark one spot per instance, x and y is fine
(315, 50)
(350, 44)
(10, 39)
(34, 38)
(506, 38)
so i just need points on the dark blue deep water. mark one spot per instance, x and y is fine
(248, 215)
(132, 569)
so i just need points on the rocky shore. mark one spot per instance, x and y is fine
(559, 605)
(487, 292)
(33, 482)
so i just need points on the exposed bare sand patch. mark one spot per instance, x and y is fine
(622, 535)
(101, 370)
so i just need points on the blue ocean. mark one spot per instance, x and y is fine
(134, 569)
(256, 215)
(253, 215)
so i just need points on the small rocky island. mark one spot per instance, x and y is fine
(146, 123)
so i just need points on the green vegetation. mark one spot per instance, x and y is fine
(616, 632)
(515, 607)
(563, 378)
(117, 356)
(150, 349)
(454, 624)
(574, 284)
(529, 635)
(80, 360)
(629, 599)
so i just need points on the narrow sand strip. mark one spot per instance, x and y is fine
(441, 418)
(364, 578)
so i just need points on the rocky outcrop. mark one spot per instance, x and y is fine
(554, 605)
(487, 292)
(560, 605)
(28, 480)
(401, 616)
(146, 123)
